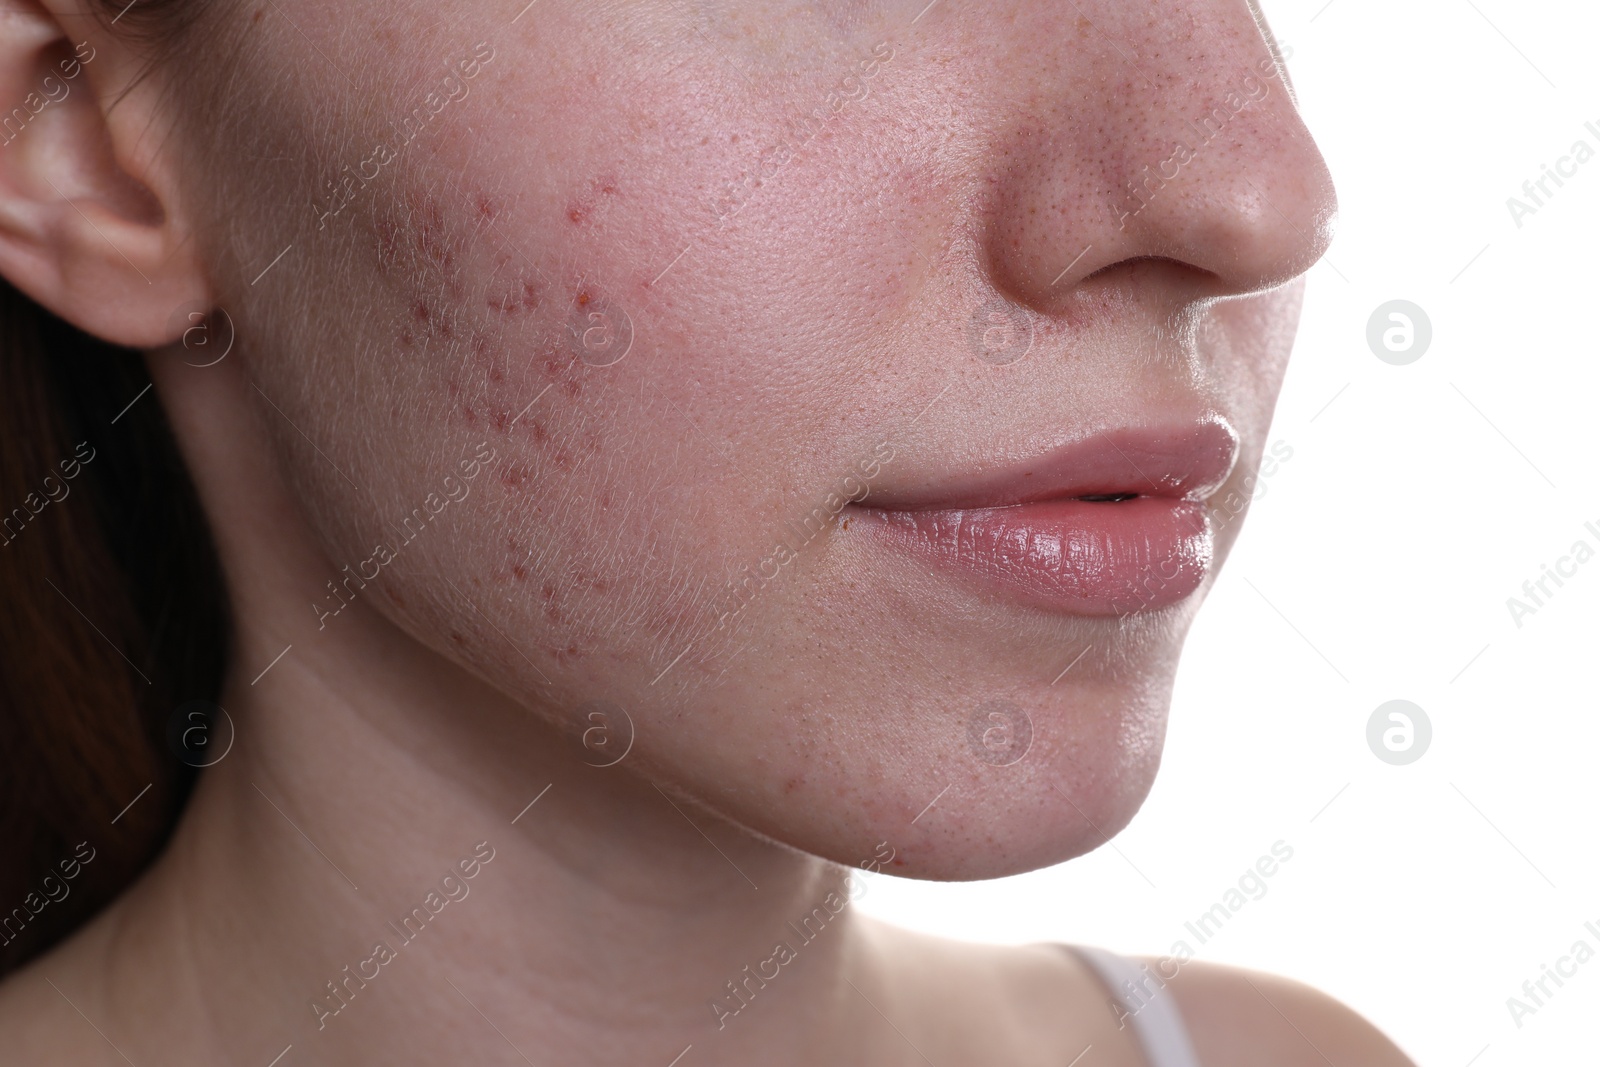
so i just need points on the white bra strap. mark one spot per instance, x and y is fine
(1145, 1004)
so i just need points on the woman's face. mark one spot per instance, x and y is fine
(625, 305)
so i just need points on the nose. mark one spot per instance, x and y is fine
(1170, 135)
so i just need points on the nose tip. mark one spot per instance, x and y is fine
(1217, 173)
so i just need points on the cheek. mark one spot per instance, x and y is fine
(648, 409)
(1248, 342)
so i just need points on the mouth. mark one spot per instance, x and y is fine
(1107, 525)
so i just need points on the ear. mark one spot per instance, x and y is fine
(91, 224)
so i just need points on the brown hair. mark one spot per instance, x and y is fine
(112, 615)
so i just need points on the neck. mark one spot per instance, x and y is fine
(411, 869)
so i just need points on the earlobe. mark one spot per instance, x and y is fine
(91, 223)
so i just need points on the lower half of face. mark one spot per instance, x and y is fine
(686, 385)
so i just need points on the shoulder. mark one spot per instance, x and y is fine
(1247, 1018)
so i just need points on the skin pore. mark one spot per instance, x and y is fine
(548, 322)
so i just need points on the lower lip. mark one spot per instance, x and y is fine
(1075, 556)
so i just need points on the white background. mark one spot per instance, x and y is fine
(1377, 565)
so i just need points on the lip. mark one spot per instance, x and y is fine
(1027, 530)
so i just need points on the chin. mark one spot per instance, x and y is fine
(971, 787)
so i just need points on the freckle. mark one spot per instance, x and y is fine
(420, 310)
(548, 591)
(519, 572)
(530, 295)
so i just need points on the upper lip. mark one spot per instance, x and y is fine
(1178, 462)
